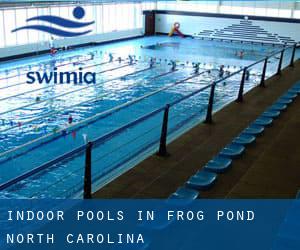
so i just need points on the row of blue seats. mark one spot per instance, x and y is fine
(205, 178)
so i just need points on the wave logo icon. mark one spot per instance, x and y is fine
(78, 13)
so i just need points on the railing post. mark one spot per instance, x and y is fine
(87, 192)
(241, 90)
(293, 55)
(210, 104)
(280, 63)
(164, 133)
(263, 75)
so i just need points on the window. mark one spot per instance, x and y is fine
(2, 37)
(22, 35)
(34, 35)
(10, 37)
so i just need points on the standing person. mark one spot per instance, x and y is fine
(151, 62)
(221, 71)
(53, 50)
(111, 58)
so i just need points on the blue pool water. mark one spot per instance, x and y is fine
(33, 132)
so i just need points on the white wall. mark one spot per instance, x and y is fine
(192, 25)
(29, 48)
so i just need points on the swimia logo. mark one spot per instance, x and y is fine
(78, 13)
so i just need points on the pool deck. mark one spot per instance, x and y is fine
(269, 169)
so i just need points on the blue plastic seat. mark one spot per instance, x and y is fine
(254, 130)
(289, 95)
(244, 139)
(218, 164)
(263, 121)
(232, 151)
(294, 91)
(278, 106)
(271, 114)
(185, 193)
(284, 101)
(202, 180)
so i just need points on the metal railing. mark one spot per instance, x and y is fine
(162, 150)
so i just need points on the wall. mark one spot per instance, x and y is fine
(258, 29)
(112, 20)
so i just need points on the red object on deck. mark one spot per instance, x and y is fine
(178, 32)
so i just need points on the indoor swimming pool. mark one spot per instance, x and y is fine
(42, 122)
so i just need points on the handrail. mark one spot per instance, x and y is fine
(255, 63)
(95, 141)
(135, 122)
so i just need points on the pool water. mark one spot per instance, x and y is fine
(34, 126)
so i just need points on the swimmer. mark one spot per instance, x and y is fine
(247, 76)
(151, 62)
(37, 99)
(241, 55)
(173, 63)
(53, 50)
(92, 56)
(70, 119)
(197, 67)
(221, 71)
(130, 58)
(111, 58)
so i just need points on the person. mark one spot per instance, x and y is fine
(119, 59)
(151, 62)
(221, 71)
(247, 76)
(241, 54)
(111, 58)
(130, 60)
(92, 56)
(173, 63)
(70, 119)
(53, 50)
(197, 67)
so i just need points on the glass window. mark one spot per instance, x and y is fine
(285, 13)
(99, 19)
(22, 35)
(9, 25)
(34, 35)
